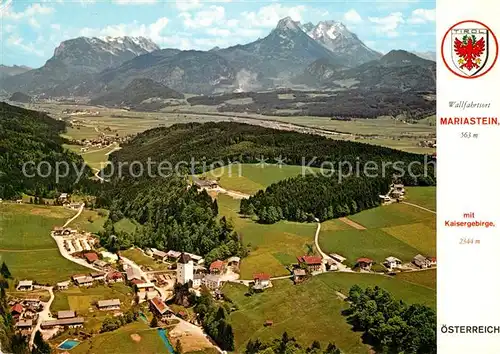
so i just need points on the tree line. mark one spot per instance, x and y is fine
(305, 198)
(288, 345)
(391, 326)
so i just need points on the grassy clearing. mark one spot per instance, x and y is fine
(271, 245)
(250, 178)
(90, 220)
(141, 259)
(371, 243)
(422, 236)
(120, 341)
(83, 301)
(126, 225)
(26, 245)
(392, 215)
(320, 316)
(43, 295)
(423, 196)
(427, 278)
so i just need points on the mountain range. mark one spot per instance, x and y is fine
(292, 55)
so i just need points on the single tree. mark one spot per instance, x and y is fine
(4, 270)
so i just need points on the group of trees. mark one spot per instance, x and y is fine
(288, 345)
(30, 139)
(215, 320)
(113, 323)
(392, 326)
(305, 198)
(172, 216)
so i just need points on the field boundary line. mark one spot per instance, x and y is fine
(28, 250)
(351, 223)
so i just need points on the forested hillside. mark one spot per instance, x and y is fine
(30, 136)
(305, 198)
(228, 141)
(172, 216)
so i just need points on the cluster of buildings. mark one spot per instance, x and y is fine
(396, 193)
(25, 313)
(392, 263)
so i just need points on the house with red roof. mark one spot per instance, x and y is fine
(217, 267)
(432, 261)
(16, 310)
(159, 309)
(114, 277)
(364, 263)
(261, 281)
(91, 257)
(313, 263)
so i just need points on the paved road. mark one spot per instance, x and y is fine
(44, 315)
(316, 241)
(420, 207)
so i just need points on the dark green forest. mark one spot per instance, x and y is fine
(225, 142)
(173, 216)
(305, 198)
(26, 136)
(391, 326)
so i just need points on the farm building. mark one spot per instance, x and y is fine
(261, 281)
(432, 261)
(101, 264)
(392, 262)
(364, 263)
(173, 255)
(133, 273)
(313, 263)
(159, 308)
(197, 260)
(84, 281)
(24, 325)
(65, 314)
(421, 261)
(58, 230)
(144, 287)
(16, 310)
(299, 275)
(91, 257)
(25, 285)
(67, 322)
(114, 277)
(205, 183)
(64, 285)
(98, 276)
(113, 304)
(216, 267)
(159, 255)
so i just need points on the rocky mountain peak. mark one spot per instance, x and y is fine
(288, 24)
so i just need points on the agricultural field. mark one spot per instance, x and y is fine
(83, 301)
(90, 220)
(427, 278)
(397, 230)
(250, 178)
(135, 337)
(423, 196)
(319, 318)
(26, 245)
(272, 247)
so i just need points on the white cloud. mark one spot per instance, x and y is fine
(205, 18)
(419, 16)
(18, 42)
(388, 24)
(219, 32)
(33, 22)
(268, 16)
(187, 5)
(134, 2)
(352, 16)
(55, 26)
(30, 11)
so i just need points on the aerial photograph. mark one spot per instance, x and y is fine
(221, 176)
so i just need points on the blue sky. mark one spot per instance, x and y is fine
(31, 30)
